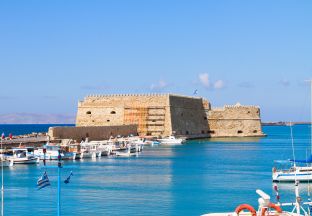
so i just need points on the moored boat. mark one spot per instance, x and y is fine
(171, 140)
(23, 156)
(267, 208)
(303, 172)
(52, 152)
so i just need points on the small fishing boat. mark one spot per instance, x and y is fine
(52, 152)
(126, 152)
(23, 156)
(75, 149)
(171, 140)
(86, 151)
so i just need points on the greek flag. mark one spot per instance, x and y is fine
(43, 181)
(68, 178)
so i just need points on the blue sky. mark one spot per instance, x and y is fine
(53, 53)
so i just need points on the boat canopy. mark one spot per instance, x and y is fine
(308, 160)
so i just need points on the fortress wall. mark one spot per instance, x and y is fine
(235, 121)
(148, 111)
(110, 109)
(188, 116)
(93, 132)
(163, 114)
(99, 116)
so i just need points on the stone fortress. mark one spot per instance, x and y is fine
(167, 114)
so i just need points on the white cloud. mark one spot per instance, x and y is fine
(219, 84)
(285, 82)
(204, 79)
(159, 86)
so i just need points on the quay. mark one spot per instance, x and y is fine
(29, 141)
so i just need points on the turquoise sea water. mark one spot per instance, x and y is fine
(198, 177)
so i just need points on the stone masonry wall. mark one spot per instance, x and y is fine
(188, 116)
(233, 121)
(166, 114)
(93, 132)
(149, 111)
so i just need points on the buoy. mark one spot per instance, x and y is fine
(271, 206)
(245, 207)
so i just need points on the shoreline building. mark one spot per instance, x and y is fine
(167, 114)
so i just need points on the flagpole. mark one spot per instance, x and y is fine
(59, 184)
(2, 189)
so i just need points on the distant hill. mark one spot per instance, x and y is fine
(32, 118)
(283, 123)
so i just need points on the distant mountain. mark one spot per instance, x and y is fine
(32, 118)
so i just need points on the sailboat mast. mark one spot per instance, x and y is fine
(311, 115)
(292, 145)
(310, 81)
(2, 189)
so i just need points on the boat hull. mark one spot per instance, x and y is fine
(292, 177)
(25, 161)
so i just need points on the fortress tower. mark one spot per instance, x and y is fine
(166, 114)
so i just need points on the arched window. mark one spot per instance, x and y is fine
(108, 120)
(88, 112)
(113, 112)
(255, 131)
(239, 131)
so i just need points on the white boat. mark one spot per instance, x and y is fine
(171, 140)
(88, 150)
(303, 172)
(267, 208)
(126, 153)
(23, 156)
(292, 173)
(52, 152)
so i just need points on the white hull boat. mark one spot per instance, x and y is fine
(23, 156)
(52, 153)
(267, 208)
(28, 160)
(302, 174)
(129, 152)
(125, 154)
(86, 154)
(171, 140)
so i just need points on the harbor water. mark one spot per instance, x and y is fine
(200, 176)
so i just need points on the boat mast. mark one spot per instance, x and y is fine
(2, 189)
(292, 145)
(310, 81)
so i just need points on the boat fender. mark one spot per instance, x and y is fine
(277, 208)
(245, 207)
